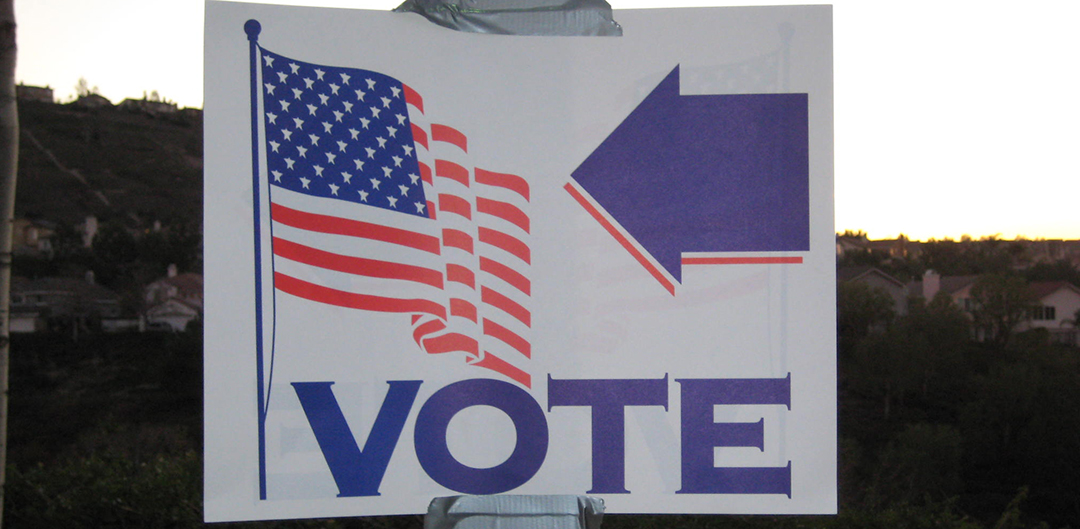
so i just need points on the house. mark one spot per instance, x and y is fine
(1058, 303)
(172, 315)
(41, 94)
(173, 301)
(957, 287)
(32, 237)
(896, 289)
(1056, 308)
(92, 101)
(62, 304)
(148, 106)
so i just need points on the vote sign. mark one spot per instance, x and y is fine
(447, 263)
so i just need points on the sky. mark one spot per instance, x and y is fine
(952, 117)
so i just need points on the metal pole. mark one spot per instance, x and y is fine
(9, 158)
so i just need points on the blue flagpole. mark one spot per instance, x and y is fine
(252, 28)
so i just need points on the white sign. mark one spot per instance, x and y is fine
(446, 263)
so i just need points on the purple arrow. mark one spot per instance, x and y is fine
(706, 173)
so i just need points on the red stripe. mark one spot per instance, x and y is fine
(507, 274)
(506, 305)
(455, 204)
(352, 300)
(452, 171)
(355, 265)
(413, 98)
(431, 210)
(457, 239)
(451, 342)
(508, 337)
(506, 242)
(740, 260)
(619, 237)
(462, 309)
(418, 135)
(353, 228)
(512, 182)
(449, 135)
(500, 366)
(504, 210)
(425, 173)
(425, 329)
(460, 274)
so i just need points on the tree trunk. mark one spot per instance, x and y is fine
(9, 154)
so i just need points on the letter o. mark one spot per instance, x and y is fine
(434, 454)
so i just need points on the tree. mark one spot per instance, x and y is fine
(83, 88)
(1060, 270)
(922, 462)
(862, 308)
(988, 255)
(1000, 303)
(936, 334)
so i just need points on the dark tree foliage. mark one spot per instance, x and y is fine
(945, 407)
(1061, 270)
(862, 309)
(1001, 302)
(990, 255)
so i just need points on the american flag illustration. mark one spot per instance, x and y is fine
(373, 207)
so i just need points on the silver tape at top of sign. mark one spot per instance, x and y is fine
(583, 18)
(510, 511)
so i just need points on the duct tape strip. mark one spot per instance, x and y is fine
(582, 18)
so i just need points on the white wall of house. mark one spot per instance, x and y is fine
(1064, 303)
(172, 313)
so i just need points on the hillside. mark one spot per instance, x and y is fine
(108, 162)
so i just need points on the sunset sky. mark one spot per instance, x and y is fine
(951, 117)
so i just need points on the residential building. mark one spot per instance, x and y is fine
(957, 287)
(32, 237)
(896, 289)
(174, 301)
(148, 106)
(41, 94)
(62, 304)
(92, 101)
(1056, 309)
(1058, 304)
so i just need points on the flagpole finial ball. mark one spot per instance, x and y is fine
(252, 28)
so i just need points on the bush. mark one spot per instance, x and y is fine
(99, 491)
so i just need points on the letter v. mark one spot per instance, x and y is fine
(357, 473)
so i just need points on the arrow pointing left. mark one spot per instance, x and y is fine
(704, 173)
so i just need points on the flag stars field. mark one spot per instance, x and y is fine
(324, 115)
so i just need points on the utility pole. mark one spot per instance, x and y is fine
(9, 163)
